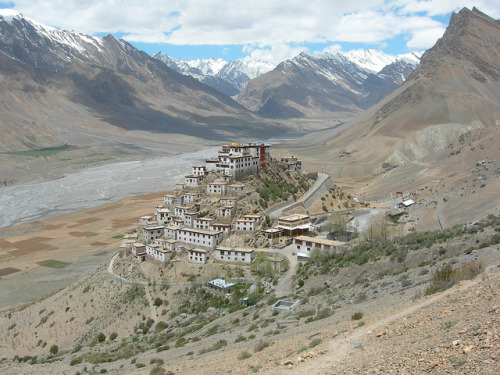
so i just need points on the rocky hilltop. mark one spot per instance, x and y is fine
(437, 130)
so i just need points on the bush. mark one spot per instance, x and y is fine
(101, 337)
(261, 345)
(447, 276)
(244, 355)
(75, 361)
(53, 349)
(357, 316)
(315, 342)
(158, 302)
(219, 344)
(158, 371)
(160, 326)
(157, 361)
(113, 336)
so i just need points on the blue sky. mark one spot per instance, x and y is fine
(270, 30)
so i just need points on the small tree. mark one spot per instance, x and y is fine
(158, 302)
(101, 337)
(54, 349)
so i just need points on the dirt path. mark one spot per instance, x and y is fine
(344, 348)
(285, 284)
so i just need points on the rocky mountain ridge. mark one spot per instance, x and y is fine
(324, 84)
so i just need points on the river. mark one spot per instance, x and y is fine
(94, 186)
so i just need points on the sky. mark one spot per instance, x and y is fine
(269, 30)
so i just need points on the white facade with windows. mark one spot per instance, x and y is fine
(180, 211)
(245, 225)
(199, 256)
(305, 244)
(227, 254)
(171, 231)
(217, 188)
(225, 228)
(191, 197)
(157, 252)
(200, 170)
(207, 239)
(202, 222)
(225, 212)
(163, 215)
(192, 181)
(150, 233)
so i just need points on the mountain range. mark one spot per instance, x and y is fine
(325, 84)
(227, 77)
(296, 88)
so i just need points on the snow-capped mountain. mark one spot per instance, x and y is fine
(319, 84)
(227, 77)
(208, 66)
(375, 60)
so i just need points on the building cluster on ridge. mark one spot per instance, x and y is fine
(185, 222)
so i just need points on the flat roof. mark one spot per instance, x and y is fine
(322, 241)
(240, 250)
(198, 251)
(202, 231)
(218, 183)
(204, 218)
(221, 283)
(272, 230)
(154, 227)
(293, 217)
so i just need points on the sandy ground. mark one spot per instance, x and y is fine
(81, 240)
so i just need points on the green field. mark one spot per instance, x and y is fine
(56, 264)
(42, 151)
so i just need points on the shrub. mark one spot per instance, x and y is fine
(53, 349)
(240, 338)
(160, 326)
(244, 355)
(158, 302)
(101, 337)
(75, 361)
(113, 336)
(157, 361)
(447, 276)
(219, 344)
(315, 342)
(357, 316)
(261, 345)
(158, 371)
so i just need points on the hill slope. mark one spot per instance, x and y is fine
(57, 82)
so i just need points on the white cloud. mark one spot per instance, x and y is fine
(270, 26)
(272, 54)
(424, 38)
(332, 49)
